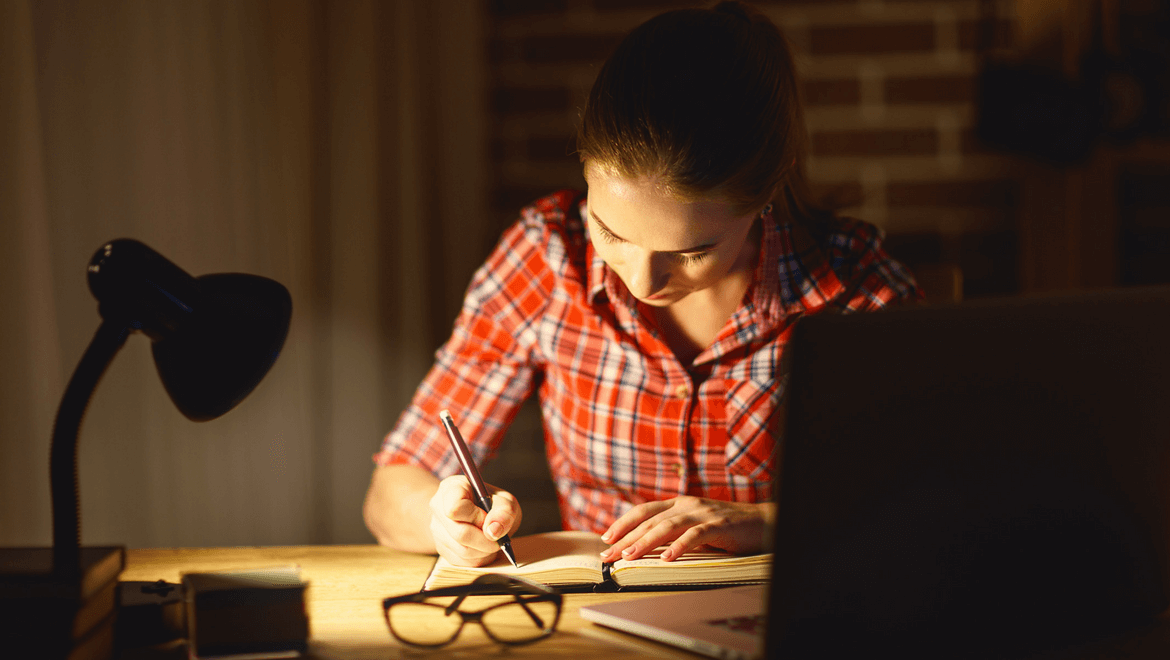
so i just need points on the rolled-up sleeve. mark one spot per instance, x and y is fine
(488, 367)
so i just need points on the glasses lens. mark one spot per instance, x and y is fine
(514, 622)
(425, 624)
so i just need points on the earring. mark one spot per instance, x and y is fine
(767, 210)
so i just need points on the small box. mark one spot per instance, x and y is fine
(256, 613)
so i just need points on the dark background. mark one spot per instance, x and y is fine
(367, 155)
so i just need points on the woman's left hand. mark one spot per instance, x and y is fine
(687, 523)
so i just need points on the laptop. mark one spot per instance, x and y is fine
(984, 480)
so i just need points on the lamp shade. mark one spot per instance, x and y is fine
(213, 337)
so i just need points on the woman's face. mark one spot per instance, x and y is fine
(664, 249)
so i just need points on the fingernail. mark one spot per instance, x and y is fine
(628, 551)
(606, 536)
(494, 530)
(666, 555)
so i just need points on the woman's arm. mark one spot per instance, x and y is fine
(482, 374)
(397, 510)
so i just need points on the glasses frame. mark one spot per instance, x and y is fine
(489, 584)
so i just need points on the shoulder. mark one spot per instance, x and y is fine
(555, 217)
(552, 226)
(847, 240)
(855, 252)
(540, 251)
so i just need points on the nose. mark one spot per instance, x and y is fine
(649, 273)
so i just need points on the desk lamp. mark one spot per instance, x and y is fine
(213, 338)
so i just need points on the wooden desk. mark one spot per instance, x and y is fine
(348, 583)
(346, 588)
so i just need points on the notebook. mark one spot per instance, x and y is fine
(570, 561)
(989, 479)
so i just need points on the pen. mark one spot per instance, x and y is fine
(479, 490)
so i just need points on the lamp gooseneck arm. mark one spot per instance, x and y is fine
(106, 342)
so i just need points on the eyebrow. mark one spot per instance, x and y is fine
(698, 248)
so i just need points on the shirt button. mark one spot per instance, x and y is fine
(682, 391)
(678, 469)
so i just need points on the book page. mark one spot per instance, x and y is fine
(695, 567)
(555, 558)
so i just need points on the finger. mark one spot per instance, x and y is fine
(454, 538)
(689, 540)
(675, 506)
(655, 512)
(462, 544)
(454, 500)
(463, 534)
(662, 531)
(631, 519)
(504, 517)
(459, 555)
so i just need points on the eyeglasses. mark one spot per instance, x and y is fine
(428, 620)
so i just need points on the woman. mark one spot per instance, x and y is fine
(652, 313)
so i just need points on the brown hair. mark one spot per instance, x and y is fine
(704, 101)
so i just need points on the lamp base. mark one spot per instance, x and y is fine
(59, 614)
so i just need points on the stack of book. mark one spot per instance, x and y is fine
(48, 615)
(258, 613)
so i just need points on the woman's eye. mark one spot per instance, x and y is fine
(690, 259)
(606, 236)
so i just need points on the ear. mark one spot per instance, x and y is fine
(775, 198)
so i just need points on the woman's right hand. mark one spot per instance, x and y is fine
(464, 534)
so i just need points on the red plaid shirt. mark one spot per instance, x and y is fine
(624, 421)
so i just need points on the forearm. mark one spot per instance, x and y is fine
(397, 510)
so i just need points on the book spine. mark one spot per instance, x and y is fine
(607, 584)
(682, 586)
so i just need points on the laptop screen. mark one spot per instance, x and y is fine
(982, 479)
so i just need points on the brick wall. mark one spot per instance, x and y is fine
(888, 89)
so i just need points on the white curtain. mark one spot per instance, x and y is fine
(336, 147)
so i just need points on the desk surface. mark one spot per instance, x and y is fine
(348, 583)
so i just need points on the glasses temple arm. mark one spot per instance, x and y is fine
(535, 618)
(455, 603)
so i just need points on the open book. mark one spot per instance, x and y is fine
(571, 561)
